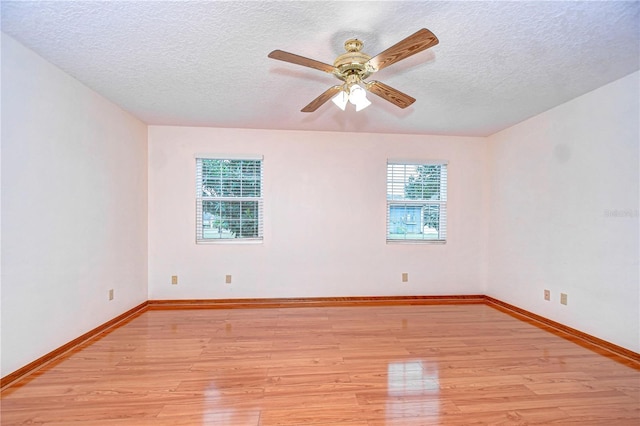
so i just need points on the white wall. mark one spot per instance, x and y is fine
(325, 213)
(74, 208)
(550, 203)
(564, 213)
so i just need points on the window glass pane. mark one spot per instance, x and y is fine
(422, 183)
(230, 188)
(414, 222)
(230, 219)
(248, 220)
(211, 178)
(431, 220)
(396, 179)
(231, 178)
(215, 223)
(248, 228)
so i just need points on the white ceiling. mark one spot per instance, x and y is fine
(205, 63)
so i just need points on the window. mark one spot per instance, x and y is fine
(416, 201)
(228, 199)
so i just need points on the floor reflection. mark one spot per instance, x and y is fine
(413, 389)
(216, 412)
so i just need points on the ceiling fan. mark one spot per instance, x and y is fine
(354, 66)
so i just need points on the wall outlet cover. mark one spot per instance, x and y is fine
(563, 298)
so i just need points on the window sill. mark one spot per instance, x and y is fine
(409, 241)
(231, 241)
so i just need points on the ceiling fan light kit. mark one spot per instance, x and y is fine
(353, 93)
(354, 66)
(358, 97)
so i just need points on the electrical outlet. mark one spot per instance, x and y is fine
(227, 279)
(111, 294)
(547, 295)
(563, 298)
(174, 279)
(405, 277)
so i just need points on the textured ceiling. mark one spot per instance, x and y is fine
(205, 63)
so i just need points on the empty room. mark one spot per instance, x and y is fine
(358, 213)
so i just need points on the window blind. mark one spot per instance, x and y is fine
(229, 199)
(416, 201)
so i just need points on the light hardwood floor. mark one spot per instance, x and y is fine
(352, 366)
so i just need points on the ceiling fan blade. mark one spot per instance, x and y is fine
(317, 102)
(301, 60)
(417, 42)
(390, 94)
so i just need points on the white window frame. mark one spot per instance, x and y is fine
(205, 196)
(396, 182)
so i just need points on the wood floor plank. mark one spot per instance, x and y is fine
(345, 365)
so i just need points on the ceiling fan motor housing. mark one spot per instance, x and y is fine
(354, 62)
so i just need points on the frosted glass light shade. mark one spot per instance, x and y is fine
(362, 103)
(358, 97)
(341, 99)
